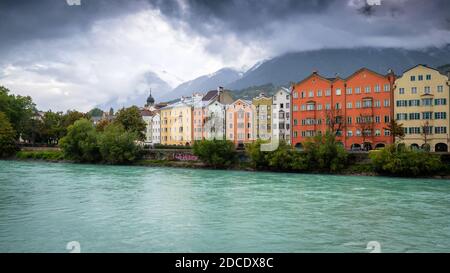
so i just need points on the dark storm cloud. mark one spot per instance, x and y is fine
(25, 20)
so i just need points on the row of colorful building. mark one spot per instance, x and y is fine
(358, 109)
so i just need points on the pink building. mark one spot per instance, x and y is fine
(239, 122)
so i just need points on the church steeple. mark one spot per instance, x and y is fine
(150, 99)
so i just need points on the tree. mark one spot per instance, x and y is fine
(323, 153)
(18, 109)
(334, 120)
(117, 145)
(396, 129)
(96, 112)
(216, 153)
(101, 125)
(131, 120)
(426, 131)
(7, 137)
(80, 143)
(365, 125)
(52, 129)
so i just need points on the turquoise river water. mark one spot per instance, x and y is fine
(43, 206)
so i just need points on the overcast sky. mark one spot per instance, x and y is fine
(78, 56)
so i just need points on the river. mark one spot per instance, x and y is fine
(43, 206)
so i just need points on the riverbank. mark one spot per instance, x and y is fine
(360, 168)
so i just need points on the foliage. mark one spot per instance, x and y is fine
(44, 155)
(95, 112)
(117, 145)
(323, 153)
(101, 125)
(257, 157)
(18, 109)
(405, 162)
(131, 120)
(216, 153)
(80, 143)
(162, 146)
(396, 129)
(7, 137)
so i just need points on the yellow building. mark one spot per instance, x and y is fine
(177, 122)
(263, 117)
(422, 106)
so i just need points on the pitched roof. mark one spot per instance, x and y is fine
(210, 95)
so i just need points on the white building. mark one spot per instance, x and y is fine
(156, 129)
(215, 121)
(281, 115)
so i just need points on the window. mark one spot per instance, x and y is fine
(427, 130)
(428, 77)
(420, 78)
(387, 119)
(295, 108)
(427, 90)
(414, 102)
(319, 93)
(230, 126)
(440, 88)
(349, 105)
(386, 88)
(358, 132)
(302, 94)
(377, 132)
(303, 107)
(350, 133)
(377, 103)
(377, 119)
(328, 92)
(401, 90)
(295, 134)
(440, 130)
(295, 95)
(440, 115)
(310, 107)
(338, 106)
(440, 102)
(413, 90)
(319, 107)
(349, 120)
(367, 103)
(367, 89)
(357, 90)
(427, 115)
(311, 94)
(327, 106)
(427, 102)
(358, 104)
(338, 92)
(387, 103)
(349, 91)
(414, 130)
(413, 78)
(377, 88)
(414, 116)
(402, 116)
(387, 132)
(295, 122)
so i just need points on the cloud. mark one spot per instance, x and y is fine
(99, 52)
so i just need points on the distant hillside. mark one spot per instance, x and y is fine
(293, 67)
(251, 92)
(204, 83)
(444, 69)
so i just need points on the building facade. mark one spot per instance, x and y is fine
(239, 122)
(156, 129)
(357, 109)
(177, 121)
(263, 117)
(281, 115)
(422, 107)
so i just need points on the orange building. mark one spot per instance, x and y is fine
(357, 109)
(239, 122)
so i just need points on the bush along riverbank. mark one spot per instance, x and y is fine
(83, 144)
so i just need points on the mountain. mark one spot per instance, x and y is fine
(444, 69)
(293, 67)
(204, 83)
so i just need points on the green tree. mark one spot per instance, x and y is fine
(80, 143)
(396, 129)
(215, 153)
(405, 162)
(7, 137)
(18, 109)
(96, 112)
(131, 120)
(117, 145)
(257, 157)
(52, 129)
(323, 153)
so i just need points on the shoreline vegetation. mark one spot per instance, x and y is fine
(277, 161)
